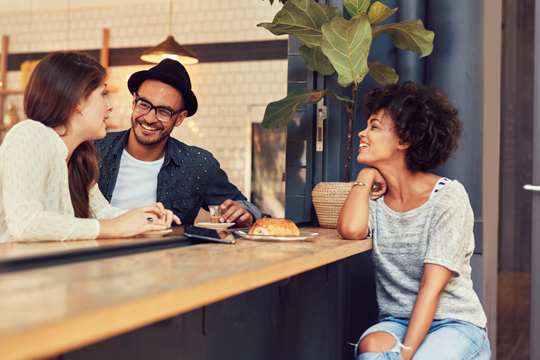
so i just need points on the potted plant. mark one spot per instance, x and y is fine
(334, 44)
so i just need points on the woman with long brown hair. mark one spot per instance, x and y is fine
(48, 167)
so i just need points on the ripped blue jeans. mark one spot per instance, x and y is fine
(446, 339)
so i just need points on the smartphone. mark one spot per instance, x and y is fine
(226, 237)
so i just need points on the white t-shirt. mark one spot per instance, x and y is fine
(136, 184)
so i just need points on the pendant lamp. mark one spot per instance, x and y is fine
(169, 49)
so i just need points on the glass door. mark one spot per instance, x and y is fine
(535, 191)
(519, 159)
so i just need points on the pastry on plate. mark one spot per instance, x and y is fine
(270, 226)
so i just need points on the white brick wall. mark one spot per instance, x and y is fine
(226, 91)
(135, 25)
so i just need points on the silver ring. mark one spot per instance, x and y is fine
(149, 219)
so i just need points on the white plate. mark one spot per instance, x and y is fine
(215, 226)
(302, 237)
(155, 233)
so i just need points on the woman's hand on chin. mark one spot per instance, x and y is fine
(371, 177)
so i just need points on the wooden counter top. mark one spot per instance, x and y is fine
(48, 311)
(11, 251)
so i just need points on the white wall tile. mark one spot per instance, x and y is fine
(226, 91)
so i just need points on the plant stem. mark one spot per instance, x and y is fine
(351, 107)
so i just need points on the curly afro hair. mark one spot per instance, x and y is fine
(424, 118)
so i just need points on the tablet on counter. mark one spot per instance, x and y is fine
(221, 236)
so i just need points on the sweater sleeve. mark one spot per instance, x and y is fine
(450, 231)
(28, 165)
(100, 207)
(372, 219)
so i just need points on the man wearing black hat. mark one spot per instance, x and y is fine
(144, 164)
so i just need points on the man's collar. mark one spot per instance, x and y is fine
(171, 152)
(119, 145)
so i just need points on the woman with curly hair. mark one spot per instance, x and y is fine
(422, 230)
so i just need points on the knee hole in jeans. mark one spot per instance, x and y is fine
(376, 342)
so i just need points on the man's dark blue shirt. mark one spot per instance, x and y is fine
(190, 177)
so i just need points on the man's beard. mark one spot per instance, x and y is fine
(149, 143)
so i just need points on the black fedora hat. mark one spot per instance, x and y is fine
(170, 72)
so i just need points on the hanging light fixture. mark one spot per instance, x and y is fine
(169, 49)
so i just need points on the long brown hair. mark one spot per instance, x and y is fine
(58, 84)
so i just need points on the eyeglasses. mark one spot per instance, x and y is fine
(162, 113)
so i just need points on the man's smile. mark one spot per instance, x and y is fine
(148, 127)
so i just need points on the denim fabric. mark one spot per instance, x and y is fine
(189, 179)
(446, 339)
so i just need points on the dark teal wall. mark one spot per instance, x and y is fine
(300, 152)
(455, 66)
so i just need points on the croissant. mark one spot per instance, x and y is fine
(269, 226)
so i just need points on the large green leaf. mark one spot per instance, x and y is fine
(355, 7)
(316, 60)
(408, 35)
(303, 19)
(382, 74)
(280, 113)
(346, 44)
(379, 12)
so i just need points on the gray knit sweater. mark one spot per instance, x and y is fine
(438, 232)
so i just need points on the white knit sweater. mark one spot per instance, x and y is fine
(35, 204)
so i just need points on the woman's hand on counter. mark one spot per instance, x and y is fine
(137, 221)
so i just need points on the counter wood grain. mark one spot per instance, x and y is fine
(17, 250)
(49, 311)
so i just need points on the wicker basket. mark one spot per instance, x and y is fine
(328, 198)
